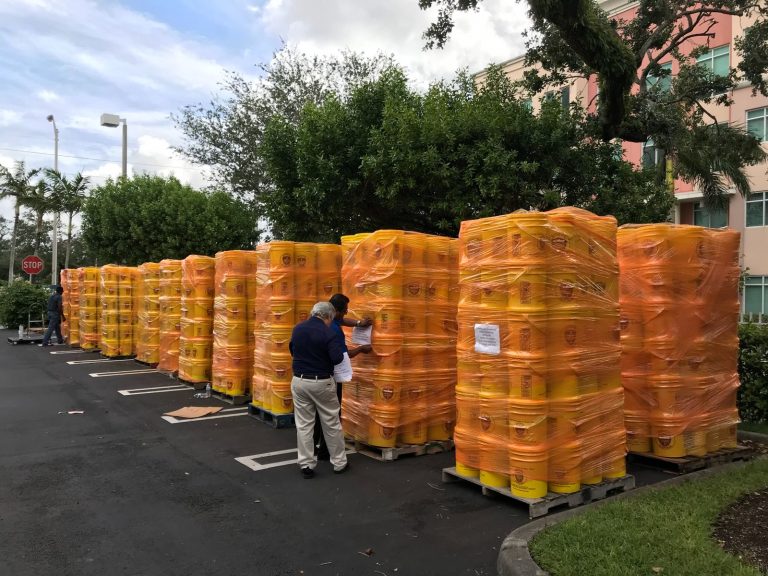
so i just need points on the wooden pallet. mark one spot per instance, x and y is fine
(229, 399)
(274, 420)
(148, 364)
(692, 463)
(392, 454)
(195, 385)
(543, 506)
(126, 357)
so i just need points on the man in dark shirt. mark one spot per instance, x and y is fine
(341, 305)
(316, 350)
(55, 316)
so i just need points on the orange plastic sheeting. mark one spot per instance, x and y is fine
(116, 286)
(170, 315)
(196, 329)
(539, 397)
(147, 336)
(90, 307)
(232, 329)
(70, 328)
(404, 391)
(291, 277)
(679, 334)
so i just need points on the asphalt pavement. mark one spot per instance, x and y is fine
(118, 490)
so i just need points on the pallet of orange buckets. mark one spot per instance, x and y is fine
(539, 397)
(291, 277)
(196, 338)
(401, 400)
(680, 311)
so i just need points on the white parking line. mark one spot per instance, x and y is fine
(123, 373)
(99, 361)
(239, 411)
(70, 352)
(253, 463)
(155, 390)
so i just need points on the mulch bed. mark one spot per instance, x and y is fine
(742, 529)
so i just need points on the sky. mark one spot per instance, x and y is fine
(146, 59)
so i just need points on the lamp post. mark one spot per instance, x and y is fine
(113, 121)
(55, 244)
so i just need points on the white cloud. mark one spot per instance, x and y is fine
(8, 118)
(492, 34)
(47, 95)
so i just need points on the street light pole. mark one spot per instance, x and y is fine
(113, 121)
(55, 244)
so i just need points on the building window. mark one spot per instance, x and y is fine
(757, 123)
(663, 81)
(709, 218)
(528, 104)
(757, 209)
(755, 298)
(717, 60)
(565, 96)
(652, 155)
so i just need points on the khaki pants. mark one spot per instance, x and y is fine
(312, 397)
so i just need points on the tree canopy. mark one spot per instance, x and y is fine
(575, 38)
(148, 218)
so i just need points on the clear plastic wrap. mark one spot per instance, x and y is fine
(90, 307)
(291, 277)
(679, 332)
(170, 314)
(232, 365)
(539, 397)
(148, 317)
(117, 314)
(72, 310)
(196, 340)
(404, 391)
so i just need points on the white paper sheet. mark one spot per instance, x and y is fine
(342, 372)
(487, 339)
(361, 336)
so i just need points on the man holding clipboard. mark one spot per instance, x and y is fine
(342, 372)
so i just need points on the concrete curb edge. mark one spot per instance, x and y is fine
(515, 557)
(752, 436)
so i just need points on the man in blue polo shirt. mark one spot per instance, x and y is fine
(316, 350)
(343, 371)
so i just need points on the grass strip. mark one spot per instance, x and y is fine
(666, 532)
(759, 427)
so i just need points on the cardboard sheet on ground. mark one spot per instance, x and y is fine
(194, 411)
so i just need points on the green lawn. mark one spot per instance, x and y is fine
(760, 428)
(665, 532)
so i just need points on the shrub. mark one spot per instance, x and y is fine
(20, 298)
(753, 372)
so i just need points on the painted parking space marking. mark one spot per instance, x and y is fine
(70, 352)
(155, 390)
(253, 463)
(231, 413)
(99, 361)
(123, 373)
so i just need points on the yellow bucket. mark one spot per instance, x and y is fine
(384, 420)
(303, 310)
(194, 370)
(528, 334)
(281, 313)
(327, 285)
(328, 258)
(197, 308)
(281, 255)
(528, 234)
(528, 470)
(306, 286)
(196, 349)
(413, 423)
(528, 287)
(305, 256)
(194, 328)
(565, 468)
(528, 378)
(387, 387)
(282, 399)
(528, 421)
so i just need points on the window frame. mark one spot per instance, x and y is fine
(762, 283)
(709, 56)
(764, 110)
(657, 161)
(698, 206)
(651, 80)
(764, 202)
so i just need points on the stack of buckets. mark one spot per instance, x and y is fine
(148, 319)
(539, 406)
(138, 299)
(66, 298)
(680, 311)
(73, 306)
(291, 278)
(117, 315)
(235, 295)
(404, 392)
(196, 341)
(90, 308)
(170, 314)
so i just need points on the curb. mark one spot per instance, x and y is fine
(752, 436)
(515, 557)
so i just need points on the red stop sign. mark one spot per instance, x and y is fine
(32, 265)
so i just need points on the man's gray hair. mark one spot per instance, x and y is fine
(324, 310)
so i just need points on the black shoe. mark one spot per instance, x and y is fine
(307, 473)
(342, 470)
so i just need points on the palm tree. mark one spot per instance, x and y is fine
(17, 185)
(41, 201)
(70, 197)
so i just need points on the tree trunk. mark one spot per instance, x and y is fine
(38, 233)
(69, 240)
(12, 257)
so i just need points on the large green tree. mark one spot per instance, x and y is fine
(387, 156)
(17, 184)
(225, 133)
(148, 218)
(575, 38)
(70, 194)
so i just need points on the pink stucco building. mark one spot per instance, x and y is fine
(747, 215)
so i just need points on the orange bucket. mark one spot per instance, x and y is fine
(384, 420)
(528, 288)
(306, 286)
(528, 234)
(528, 470)
(565, 468)
(467, 454)
(527, 334)
(413, 427)
(528, 378)
(528, 421)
